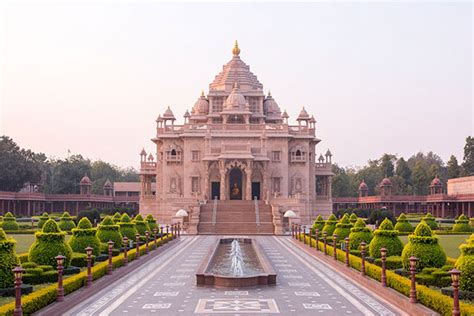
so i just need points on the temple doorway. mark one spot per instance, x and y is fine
(256, 190)
(216, 190)
(235, 184)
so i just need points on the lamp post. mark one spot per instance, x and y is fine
(304, 235)
(292, 230)
(18, 271)
(89, 250)
(137, 247)
(362, 254)
(310, 237)
(383, 279)
(60, 292)
(413, 262)
(147, 236)
(179, 230)
(125, 254)
(455, 273)
(334, 245)
(111, 245)
(346, 240)
(317, 239)
(325, 234)
(167, 229)
(155, 232)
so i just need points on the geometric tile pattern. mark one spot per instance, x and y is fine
(239, 306)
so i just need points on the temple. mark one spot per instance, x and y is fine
(236, 155)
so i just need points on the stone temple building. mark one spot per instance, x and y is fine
(236, 165)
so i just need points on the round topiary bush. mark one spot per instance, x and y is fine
(359, 233)
(84, 236)
(462, 225)
(127, 228)
(403, 225)
(108, 230)
(116, 217)
(353, 218)
(50, 242)
(343, 228)
(423, 245)
(9, 222)
(8, 260)
(318, 224)
(330, 225)
(385, 236)
(430, 220)
(141, 225)
(42, 219)
(151, 223)
(66, 222)
(465, 264)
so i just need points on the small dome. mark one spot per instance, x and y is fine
(201, 106)
(85, 180)
(143, 152)
(363, 186)
(108, 184)
(272, 108)
(159, 119)
(169, 114)
(303, 115)
(181, 213)
(235, 100)
(328, 153)
(290, 214)
(436, 182)
(386, 182)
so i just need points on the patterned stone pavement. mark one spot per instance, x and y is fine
(166, 286)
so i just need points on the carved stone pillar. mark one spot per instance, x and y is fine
(206, 180)
(249, 181)
(222, 180)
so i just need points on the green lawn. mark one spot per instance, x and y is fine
(450, 243)
(24, 241)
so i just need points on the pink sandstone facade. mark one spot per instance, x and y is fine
(236, 145)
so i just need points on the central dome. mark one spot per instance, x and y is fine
(235, 100)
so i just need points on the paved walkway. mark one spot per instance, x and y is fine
(166, 286)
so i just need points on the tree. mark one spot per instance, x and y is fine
(402, 180)
(64, 175)
(433, 171)
(454, 170)
(386, 165)
(420, 179)
(468, 162)
(403, 170)
(341, 184)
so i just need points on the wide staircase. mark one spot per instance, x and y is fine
(235, 217)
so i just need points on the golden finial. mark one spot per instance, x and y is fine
(202, 93)
(236, 49)
(269, 93)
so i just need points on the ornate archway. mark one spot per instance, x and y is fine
(235, 184)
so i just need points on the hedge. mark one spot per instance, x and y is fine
(66, 222)
(330, 225)
(141, 225)
(462, 225)
(403, 225)
(151, 223)
(385, 236)
(317, 224)
(37, 300)
(9, 222)
(359, 233)
(127, 228)
(343, 228)
(84, 236)
(465, 263)
(431, 298)
(108, 230)
(430, 220)
(42, 219)
(8, 260)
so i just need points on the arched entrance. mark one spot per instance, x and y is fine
(235, 184)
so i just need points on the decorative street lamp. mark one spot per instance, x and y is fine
(181, 214)
(383, 279)
(125, 255)
(310, 238)
(346, 240)
(167, 229)
(179, 230)
(362, 253)
(89, 251)
(292, 230)
(137, 240)
(325, 234)
(290, 214)
(317, 239)
(413, 262)
(304, 235)
(334, 245)
(60, 292)
(18, 271)
(455, 273)
(299, 231)
(111, 245)
(155, 232)
(147, 235)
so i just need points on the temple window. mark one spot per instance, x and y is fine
(298, 154)
(254, 105)
(217, 104)
(235, 119)
(173, 154)
(276, 184)
(217, 120)
(195, 184)
(195, 155)
(276, 156)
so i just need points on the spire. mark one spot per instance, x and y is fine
(269, 93)
(202, 94)
(236, 49)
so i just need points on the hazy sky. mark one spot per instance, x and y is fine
(378, 77)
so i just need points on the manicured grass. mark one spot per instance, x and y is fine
(450, 243)
(24, 241)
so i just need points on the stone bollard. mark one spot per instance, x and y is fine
(155, 232)
(111, 246)
(304, 235)
(17, 272)
(137, 240)
(383, 278)
(325, 235)
(455, 273)
(362, 253)
(334, 245)
(60, 292)
(346, 240)
(413, 262)
(147, 235)
(89, 251)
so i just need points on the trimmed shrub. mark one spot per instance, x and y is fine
(9, 222)
(116, 217)
(108, 230)
(359, 233)
(50, 242)
(318, 224)
(141, 225)
(462, 225)
(8, 260)
(376, 217)
(79, 259)
(42, 219)
(151, 223)
(423, 245)
(330, 225)
(343, 228)
(92, 215)
(385, 236)
(403, 225)
(84, 236)
(430, 220)
(127, 228)
(66, 223)
(392, 262)
(353, 218)
(465, 263)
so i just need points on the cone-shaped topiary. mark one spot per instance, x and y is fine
(462, 225)
(151, 223)
(359, 233)
(66, 223)
(423, 245)
(353, 218)
(108, 230)
(42, 219)
(343, 228)
(116, 217)
(330, 225)
(318, 224)
(50, 242)
(8, 260)
(141, 225)
(9, 222)
(84, 236)
(127, 228)
(385, 236)
(430, 220)
(465, 264)
(403, 225)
